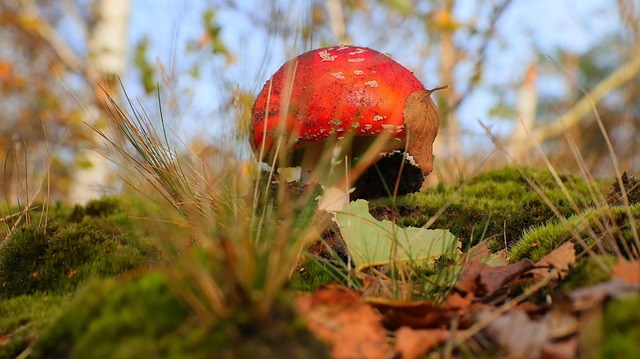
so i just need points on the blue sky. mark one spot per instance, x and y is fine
(551, 26)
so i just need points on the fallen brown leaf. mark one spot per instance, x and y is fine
(484, 280)
(594, 296)
(566, 349)
(458, 301)
(525, 332)
(627, 271)
(339, 316)
(482, 253)
(522, 337)
(423, 314)
(516, 334)
(414, 344)
(560, 258)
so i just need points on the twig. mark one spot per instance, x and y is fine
(496, 14)
(49, 34)
(573, 116)
(483, 323)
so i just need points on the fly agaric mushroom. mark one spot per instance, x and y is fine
(343, 91)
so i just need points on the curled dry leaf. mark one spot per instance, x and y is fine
(519, 336)
(483, 253)
(566, 349)
(560, 258)
(338, 316)
(414, 344)
(592, 297)
(484, 280)
(510, 330)
(627, 271)
(398, 314)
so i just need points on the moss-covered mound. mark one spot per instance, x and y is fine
(142, 318)
(606, 229)
(72, 247)
(44, 260)
(495, 205)
(56, 259)
(621, 329)
(23, 317)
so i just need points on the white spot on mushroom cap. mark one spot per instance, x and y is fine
(355, 124)
(372, 83)
(336, 122)
(388, 127)
(358, 51)
(368, 126)
(358, 72)
(326, 56)
(343, 47)
(338, 75)
(359, 59)
(377, 118)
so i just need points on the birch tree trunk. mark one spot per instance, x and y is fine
(450, 137)
(106, 63)
(520, 145)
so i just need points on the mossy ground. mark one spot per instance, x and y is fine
(621, 329)
(23, 318)
(143, 318)
(496, 205)
(91, 281)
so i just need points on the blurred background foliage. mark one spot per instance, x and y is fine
(206, 60)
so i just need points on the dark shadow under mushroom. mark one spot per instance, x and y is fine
(379, 180)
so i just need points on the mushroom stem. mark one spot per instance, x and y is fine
(329, 165)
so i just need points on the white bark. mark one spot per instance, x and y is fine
(519, 143)
(337, 21)
(107, 47)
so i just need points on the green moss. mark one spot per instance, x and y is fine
(57, 258)
(142, 318)
(106, 318)
(621, 329)
(587, 272)
(23, 317)
(99, 208)
(313, 273)
(608, 225)
(502, 201)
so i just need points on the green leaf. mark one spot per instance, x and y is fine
(372, 243)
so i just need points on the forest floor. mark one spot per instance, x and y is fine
(514, 263)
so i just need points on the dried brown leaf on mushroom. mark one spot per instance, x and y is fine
(339, 316)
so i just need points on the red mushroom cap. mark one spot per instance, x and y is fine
(338, 90)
